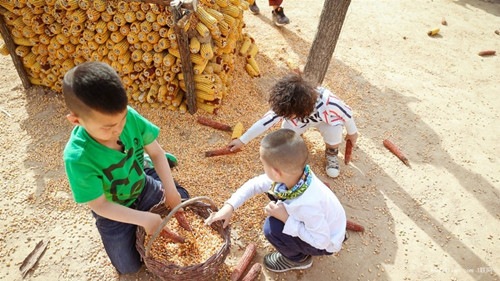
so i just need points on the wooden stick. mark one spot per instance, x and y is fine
(354, 226)
(33, 257)
(11, 46)
(214, 124)
(395, 150)
(252, 273)
(220, 152)
(250, 251)
(5, 111)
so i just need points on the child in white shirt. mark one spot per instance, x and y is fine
(306, 219)
(300, 106)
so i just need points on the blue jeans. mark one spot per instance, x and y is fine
(119, 238)
(293, 248)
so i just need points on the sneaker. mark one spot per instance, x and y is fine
(254, 9)
(332, 162)
(279, 17)
(276, 262)
(172, 160)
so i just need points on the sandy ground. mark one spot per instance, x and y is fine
(433, 96)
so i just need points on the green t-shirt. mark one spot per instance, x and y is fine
(94, 169)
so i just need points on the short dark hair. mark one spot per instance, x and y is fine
(293, 96)
(94, 86)
(284, 149)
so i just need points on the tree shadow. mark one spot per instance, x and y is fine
(416, 134)
(489, 6)
(49, 131)
(343, 80)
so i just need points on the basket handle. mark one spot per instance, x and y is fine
(169, 216)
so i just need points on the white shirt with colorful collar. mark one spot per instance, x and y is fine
(316, 216)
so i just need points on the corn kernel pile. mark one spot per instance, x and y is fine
(138, 40)
(202, 243)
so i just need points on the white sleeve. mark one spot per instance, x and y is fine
(259, 127)
(252, 187)
(314, 230)
(337, 110)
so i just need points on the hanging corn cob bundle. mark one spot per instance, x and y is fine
(138, 40)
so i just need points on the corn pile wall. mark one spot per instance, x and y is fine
(138, 40)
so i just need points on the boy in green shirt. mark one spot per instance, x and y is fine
(104, 161)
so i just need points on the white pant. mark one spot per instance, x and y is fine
(332, 135)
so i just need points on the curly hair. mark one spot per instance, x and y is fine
(293, 97)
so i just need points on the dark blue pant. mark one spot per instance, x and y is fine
(293, 248)
(119, 238)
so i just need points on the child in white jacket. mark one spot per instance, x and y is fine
(300, 106)
(305, 218)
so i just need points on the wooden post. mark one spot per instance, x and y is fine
(186, 65)
(321, 52)
(11, 46)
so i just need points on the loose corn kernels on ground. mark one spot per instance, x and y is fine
(138, 40)
(202, 243)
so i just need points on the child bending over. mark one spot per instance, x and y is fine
(305, 218)
(104, 161)
(301, 106)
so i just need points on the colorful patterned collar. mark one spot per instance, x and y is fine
(280, 191)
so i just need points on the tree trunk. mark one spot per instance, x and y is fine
(321, 52)
(11, 46)
(186, 65)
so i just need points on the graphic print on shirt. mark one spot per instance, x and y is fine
(315, 118)
(135, 188)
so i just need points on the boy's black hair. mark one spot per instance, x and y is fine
(293, 97)
(94, 86)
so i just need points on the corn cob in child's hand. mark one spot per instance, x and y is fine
(219, 152)
(182, 220)
(348, 152)
(169, 234)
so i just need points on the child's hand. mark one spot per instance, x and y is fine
(169, 234)
(352, 138)
(151, 223)
(223, 214)
(235, 144)
(179, 215)
(276, 210)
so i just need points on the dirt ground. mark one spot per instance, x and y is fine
(432, 96)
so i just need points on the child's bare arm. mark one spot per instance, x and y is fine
(157, 154)
(117, 212)
(223, 214)
(172, 197)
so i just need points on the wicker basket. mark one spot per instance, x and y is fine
(202, 271)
